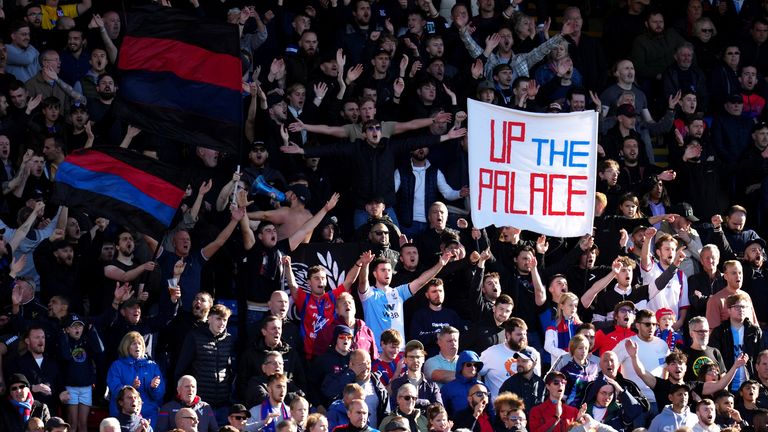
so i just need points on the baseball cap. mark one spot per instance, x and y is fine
(501, 67)
(18, 378)
(274, 99)
(301, 192)
(239, 409)
(626, 110)
(664, 312)
(758, 240)
(398, 423)
(414, 344)
(133, 301)
(73, 319)
(734, 98)
(552, 375)
(56, 422)
(524, 354)
(684, 209)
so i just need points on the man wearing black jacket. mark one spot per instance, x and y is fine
(373, 159)
(359, 371)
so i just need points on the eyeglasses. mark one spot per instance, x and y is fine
(707, 30)
(480, 393)
(381, 232)
(409, 397)
(18, 387)
(274, 363)
(345, 336)
(649, 324)
(239, 417)
(627, 310)
(373, 128)
(740, 307)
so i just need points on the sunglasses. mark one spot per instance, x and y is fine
(239, 417)
(707, 30)
(409, 397)
(18, 387)
(470, 364)
(345, 336)
(480, 394)
(373, 128)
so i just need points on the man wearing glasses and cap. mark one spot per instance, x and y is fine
(238, 416)
(651, 353)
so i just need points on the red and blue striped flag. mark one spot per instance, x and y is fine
(122, 185)
(181, 78)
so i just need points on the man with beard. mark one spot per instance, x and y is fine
(273, 410)
(345, 315)
(635, 174)
(75, 58)
(41, 369)
(653, 51)
(404, 412)
(525, 383)
(418, 185)
(303, 61)
(100, 106)
(499, 361)
(258, 159)
(379, 236)
(489, 330)
(429, 321)
(98, 61)
(123, 269)
(555, 415)
(698, 352)
(172, 335)
(187, 398)
(428, 391)
(59, 270)
(78, 134)
(287, 218)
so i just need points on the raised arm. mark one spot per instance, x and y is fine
(588, 297)
(298, 237)
(539, 292)
(725, 380)
(401, 127)
(425, 277)
(214, 246)
(354, 271)
(334, 131)
(290, 278)
(23, 230)
(362, 280)
(646, 257)
(647, 378)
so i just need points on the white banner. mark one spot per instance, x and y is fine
(532, 171)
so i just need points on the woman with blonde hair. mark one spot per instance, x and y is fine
(134, 369)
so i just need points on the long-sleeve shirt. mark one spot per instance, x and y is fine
(420, 173)
(22, 63)
(521, 64)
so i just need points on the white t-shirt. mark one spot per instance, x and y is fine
(674, 295)
(650, 354)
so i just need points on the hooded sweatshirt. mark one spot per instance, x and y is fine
(455, 392)
(670, 421)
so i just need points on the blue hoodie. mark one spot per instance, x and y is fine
(455, 392)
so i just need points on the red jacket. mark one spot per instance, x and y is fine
(542, 417)
(363, 338)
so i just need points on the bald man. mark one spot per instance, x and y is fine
(186, 420)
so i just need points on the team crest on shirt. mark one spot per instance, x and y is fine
(699, 363)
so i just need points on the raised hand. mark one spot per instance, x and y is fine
(631, 347)
(674, 100)
(492, 41)
(398, 86)
(624, 238)
(649, 233)
(354, 73)
(456, 133)
(680, 256)
(205, 187)
(477, 69)
(178, 268)
(332, 202)
(321, 89)
(542, 245)
(155, 382)
(716, 221)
